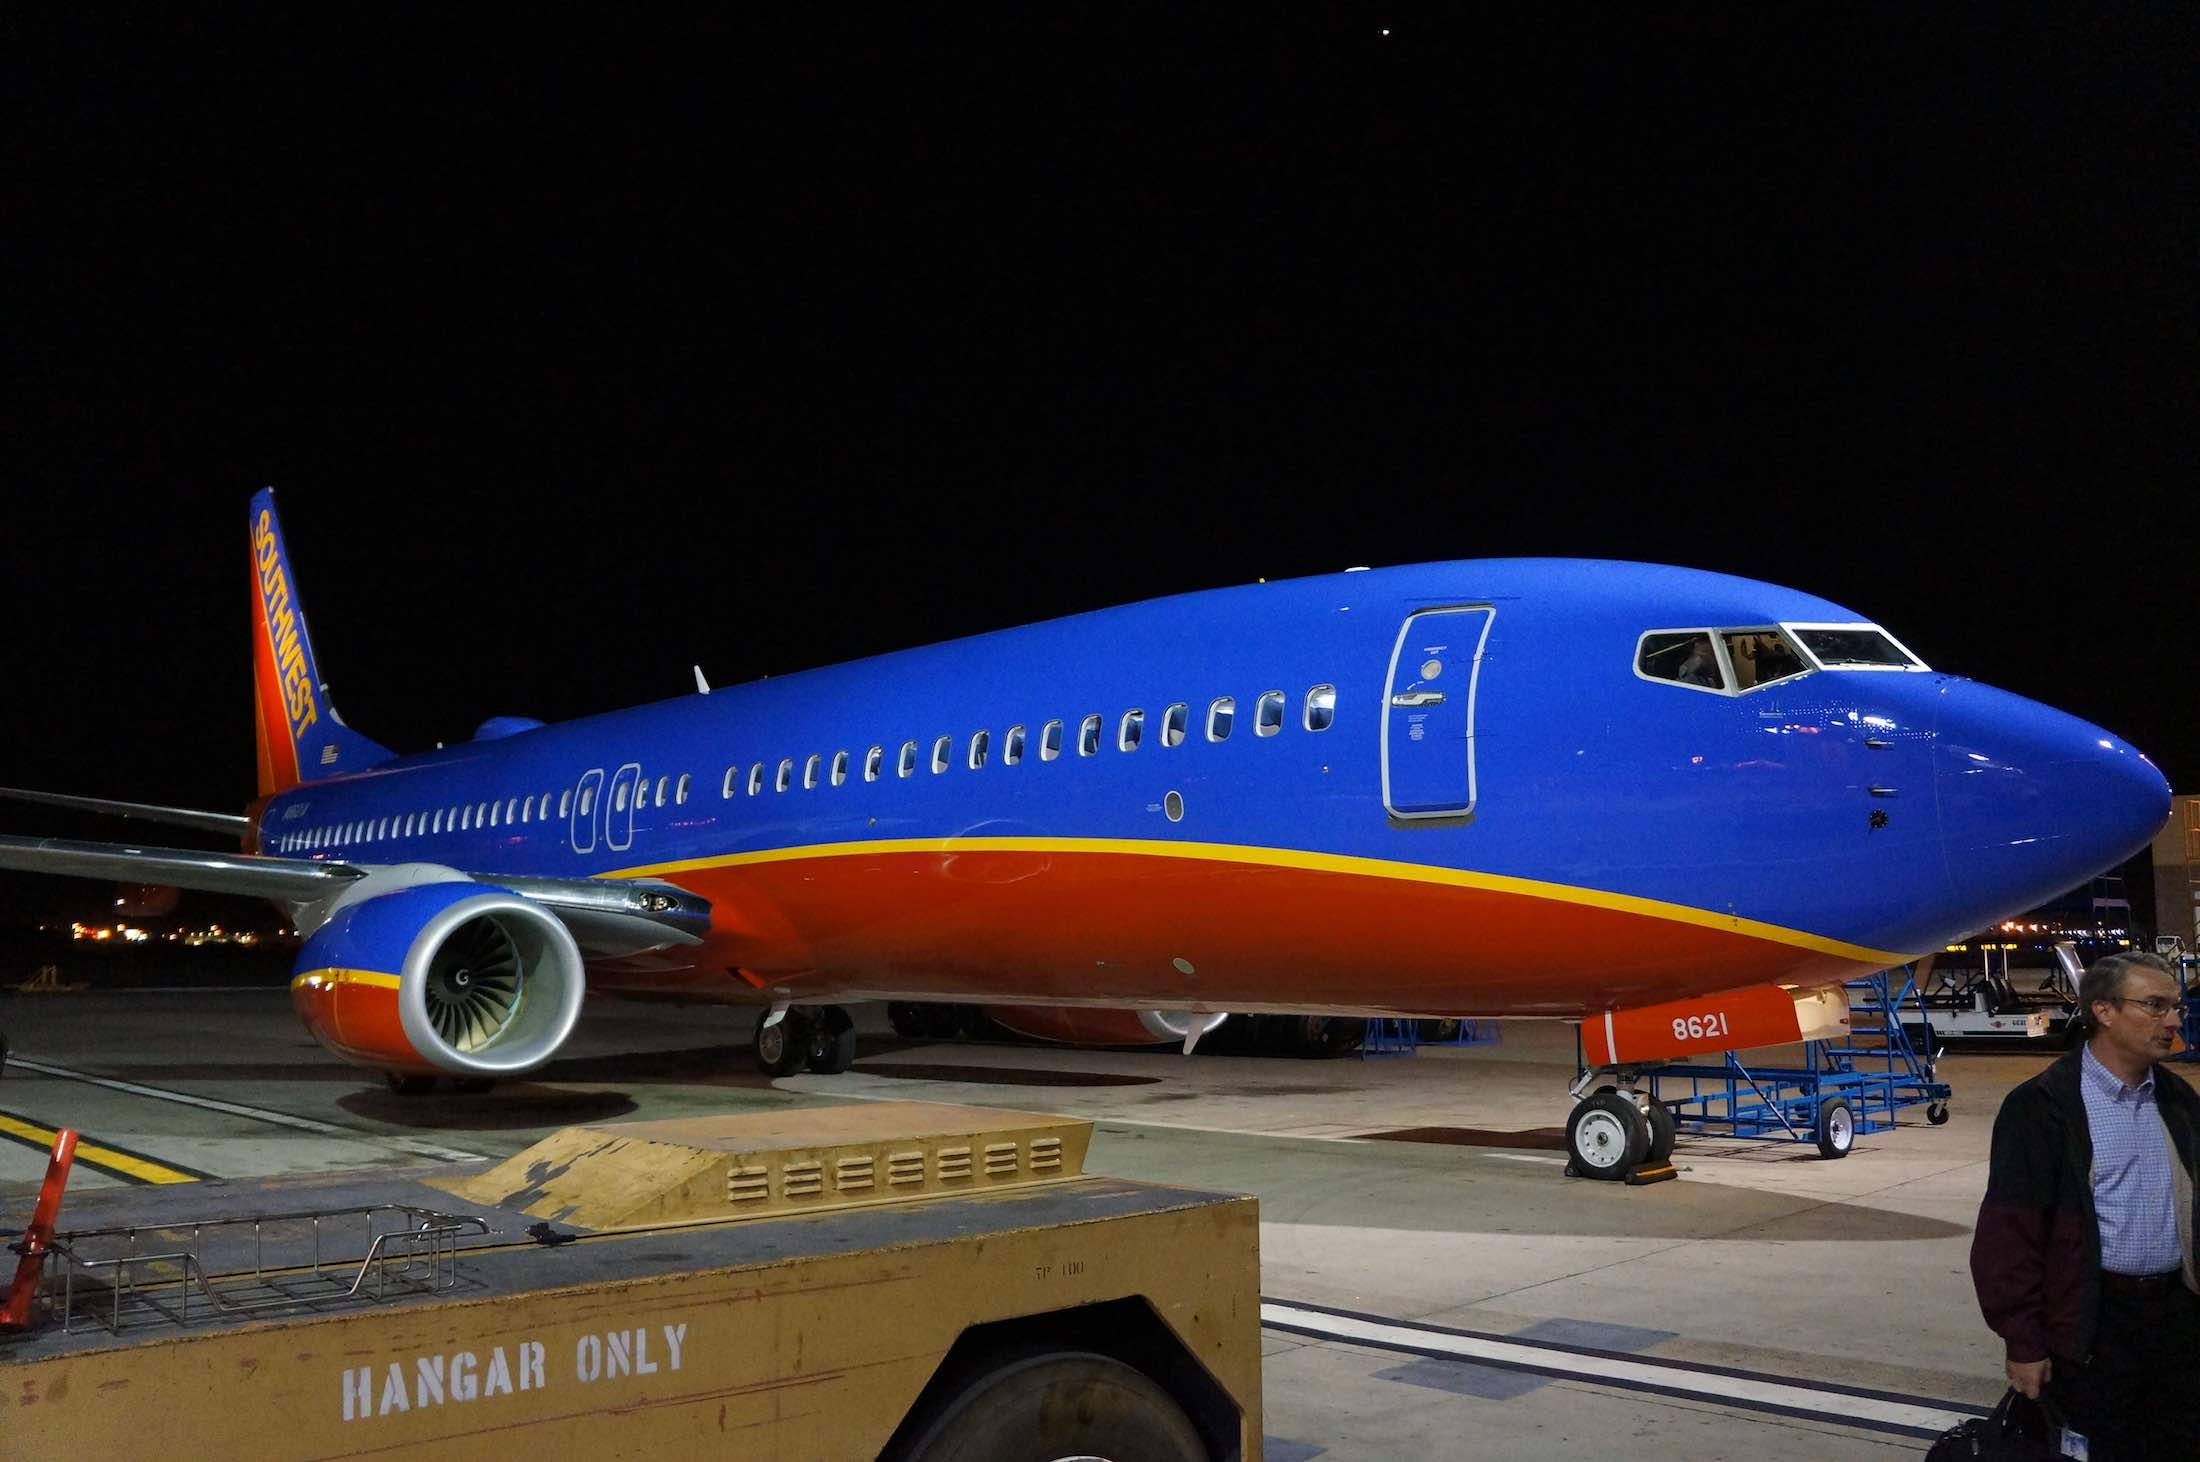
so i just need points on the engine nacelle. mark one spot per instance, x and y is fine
(454, 977)
(1076, 1026)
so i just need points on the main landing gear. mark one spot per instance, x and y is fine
(820, 1038)
(1617, 1133)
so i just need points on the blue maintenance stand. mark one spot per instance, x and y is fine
(1843, 1087)
(1393, 1036)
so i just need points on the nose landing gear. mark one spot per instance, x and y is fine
(1618, 1134)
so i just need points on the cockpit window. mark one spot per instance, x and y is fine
(1854, 647)
(1727, 661)
(1685, 656)
(1760, 656)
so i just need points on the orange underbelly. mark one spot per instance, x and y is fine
(1144, 929)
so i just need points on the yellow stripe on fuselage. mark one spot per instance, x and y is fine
(315, 979)
(144, 1170)
(1300, 859)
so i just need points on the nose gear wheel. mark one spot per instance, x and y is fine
(473, 986)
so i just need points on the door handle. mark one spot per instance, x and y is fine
(1418, 698)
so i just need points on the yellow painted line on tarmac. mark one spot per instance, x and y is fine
(116, 1162)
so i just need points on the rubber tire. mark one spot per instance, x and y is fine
(783, 1049)
(409, 1086)
(1937, 1114)
(908, 1020)
(1605, 1116)
(1323, 1037)
(1836, 1118)
(1053, 1404)
(832, 1042)
(1663, 1130)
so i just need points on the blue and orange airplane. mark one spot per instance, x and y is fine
(1676, 806)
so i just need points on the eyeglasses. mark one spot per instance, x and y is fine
(2154, 1005)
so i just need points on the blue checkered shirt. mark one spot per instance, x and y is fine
(2133, 1192)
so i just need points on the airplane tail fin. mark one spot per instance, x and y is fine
(301, 738)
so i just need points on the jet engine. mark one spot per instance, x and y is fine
(1076, 1026)
(457, 978)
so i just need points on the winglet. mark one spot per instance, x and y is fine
(301, 738)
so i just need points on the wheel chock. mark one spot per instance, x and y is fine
(1638, 1176)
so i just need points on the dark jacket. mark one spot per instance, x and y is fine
(2036, 1256)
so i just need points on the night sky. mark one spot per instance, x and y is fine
(577, 357)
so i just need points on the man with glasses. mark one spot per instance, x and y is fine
(2083, 1257)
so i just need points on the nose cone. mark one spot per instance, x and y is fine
(2034, 802)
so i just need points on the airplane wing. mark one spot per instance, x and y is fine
(607, 916)
(227, 823)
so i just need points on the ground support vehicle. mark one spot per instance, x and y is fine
(1840, 1089)
(892, 1280)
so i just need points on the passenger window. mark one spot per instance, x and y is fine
(1682, 656)
(809, 772)
(840, 768)
(527, 810)
(481, 814)
(756, 780)
(618, 798)
(510, 808)
(873, 759)
(1268, 714)
(732, 774)
(1088, 736)
(1050, 741)
(565, 807)
(1321, 707)
(908, 766)
(981, 743)
(661, 781)
(680, 790)
(544, 812)
(941, 750)
(1174, 721)
(1127, 734)
(1219, 716)
(588, 802)
(1012, 746)
(785, 779)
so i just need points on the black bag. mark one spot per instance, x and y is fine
(2017, 1430)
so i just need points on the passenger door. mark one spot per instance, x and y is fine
(585, 798)
(618, 813)
(1428, 716)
